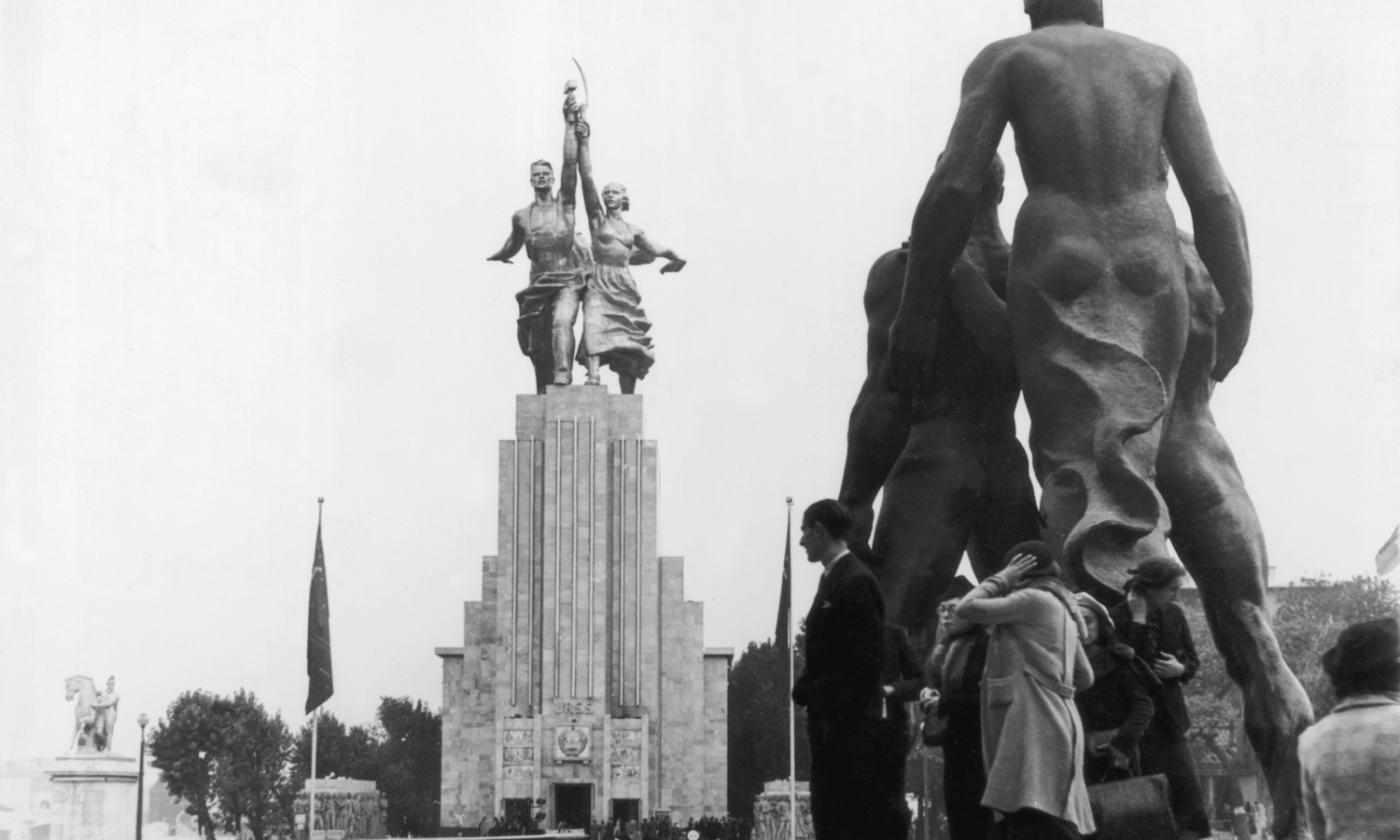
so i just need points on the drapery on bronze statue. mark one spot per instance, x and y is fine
(1098, 303)
(614, 325)
(953, 473)
(549, 304)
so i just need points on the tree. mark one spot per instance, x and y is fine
(229, 759)
(759, 691)
(348, 752)
(1312, 613)
(1308, 617)
(184, 748)
(253, 780)
(410, 765)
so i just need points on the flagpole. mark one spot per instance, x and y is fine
(311, 783)
(315, 712)
(792, 707)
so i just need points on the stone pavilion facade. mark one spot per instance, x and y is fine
(582, 690)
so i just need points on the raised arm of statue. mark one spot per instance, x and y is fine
(568, 178)
(641, 243)
(1216, 217)
(514, 241)
(943, 219)
(592, 203)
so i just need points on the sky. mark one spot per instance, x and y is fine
(242, 266)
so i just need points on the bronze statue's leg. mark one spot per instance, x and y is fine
(1005, 513)
(1217, 535)
(627, 383)
(562, 316)
(925, 518)
(593, 364)
(544, 371)
(878, 429)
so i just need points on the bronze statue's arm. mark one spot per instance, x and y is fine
(981, 311)
(1216, 218)
(591, 202)
(641, 243)
(568, 177)
(944, 216)
(514, 241)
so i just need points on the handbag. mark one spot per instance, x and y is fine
(934, 727)
(1133, 809)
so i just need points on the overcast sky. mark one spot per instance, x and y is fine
(243, 266)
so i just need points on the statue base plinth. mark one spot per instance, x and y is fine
(772, 815)
(94, 797)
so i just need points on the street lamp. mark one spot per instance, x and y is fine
(141, 720)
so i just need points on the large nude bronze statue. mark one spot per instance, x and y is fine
(954, 475)
(1099, 309)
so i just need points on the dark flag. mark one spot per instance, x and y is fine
(785, 597)
(318, 631)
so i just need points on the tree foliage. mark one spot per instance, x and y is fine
(228, 758)
(347, 752)
(241, 769)
(253, 781)
(759, 690)
(184, 748)
(1307, 619)
(410, 765)
(402, 753)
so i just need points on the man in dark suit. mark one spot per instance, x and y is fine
(840, 685)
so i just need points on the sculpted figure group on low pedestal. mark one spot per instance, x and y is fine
(567, 273)
(94, 714)
(1113, 324)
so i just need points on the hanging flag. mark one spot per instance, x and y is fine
(783, 633)
(1388, 558)
(318, 630)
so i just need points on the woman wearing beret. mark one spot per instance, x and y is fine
(1151, 622)
(1032, 737)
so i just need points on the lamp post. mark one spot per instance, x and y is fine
(141, 720)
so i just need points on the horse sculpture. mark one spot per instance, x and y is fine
(84, 715)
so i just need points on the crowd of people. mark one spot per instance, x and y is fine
(1036, 693)
(651, 828)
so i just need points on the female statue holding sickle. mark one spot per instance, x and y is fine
(614, 324)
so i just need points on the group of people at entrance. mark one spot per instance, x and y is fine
(1037, 691)
(567, 273)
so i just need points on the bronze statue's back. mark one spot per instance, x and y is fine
(1087, 106)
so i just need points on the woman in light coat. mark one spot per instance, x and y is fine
(1032, 737)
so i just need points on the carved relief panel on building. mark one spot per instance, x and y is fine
(625, 753)
(518, 753)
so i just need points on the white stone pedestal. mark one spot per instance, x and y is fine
(772, 816)
(94, 797)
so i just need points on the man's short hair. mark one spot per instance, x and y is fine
(1365, 658)
(831, 516)
(546, 164)
(1048, 11)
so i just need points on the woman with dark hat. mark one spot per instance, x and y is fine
(1117, 708)
(1349, 759)
(1032, 738)
(1153, 625)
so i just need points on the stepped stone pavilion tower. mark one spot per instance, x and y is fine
(582, 689)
